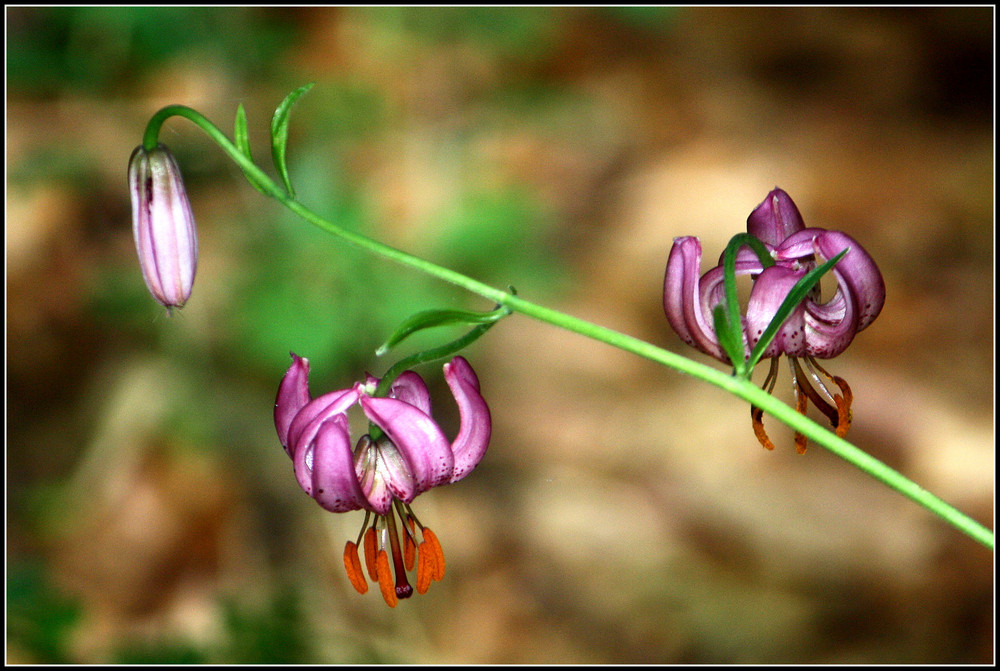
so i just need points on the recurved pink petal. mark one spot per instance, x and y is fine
(857, 274)
(682, 301)
(417, 437)
(473, 436)
(330, 462)
(307, 421)
(410, 388)
(293, 395)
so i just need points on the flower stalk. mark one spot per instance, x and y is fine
(737, 386)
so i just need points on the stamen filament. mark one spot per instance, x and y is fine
(371, 552)
(803, 385)
(811, 365)
(843, 403)
(801, 406)
(409, 545)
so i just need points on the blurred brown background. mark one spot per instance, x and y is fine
(624, 513)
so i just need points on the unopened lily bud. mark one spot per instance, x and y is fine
(163, 225)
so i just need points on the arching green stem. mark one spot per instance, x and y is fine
(738, 386)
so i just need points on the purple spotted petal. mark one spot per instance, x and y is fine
(831, 326)
(307, 423)
(767, 295)
(417, 437)
(329, 463)
(293, 395)
(775, 219)
(473, 436)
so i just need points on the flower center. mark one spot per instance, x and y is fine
(381, 538)
(382, 473)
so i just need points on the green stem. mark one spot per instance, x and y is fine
(742, 388)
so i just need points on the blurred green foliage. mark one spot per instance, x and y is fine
(506, 33)
(39, 617)
(101, 50)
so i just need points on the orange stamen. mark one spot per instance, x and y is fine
(843, 405)
(756, 414)
(425, 570)
(434, 546)
(371, 553)
(843, 415)
(757, 417)
(385, 579)
(353, 565)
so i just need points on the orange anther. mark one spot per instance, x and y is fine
(431, 540)
(353, 565)
(425, 568)
(371, 553)
(843, 406)
(843, 416)
(385, 579)
(757, 416)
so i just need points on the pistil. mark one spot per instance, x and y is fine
(403, 588)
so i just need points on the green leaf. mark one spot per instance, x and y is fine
(242, 138)
(446, 350)
(794, 297)
(728, 326)
(732, 344)
(279, 135)
(433, 318)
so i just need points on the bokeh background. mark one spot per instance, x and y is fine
(624, 512)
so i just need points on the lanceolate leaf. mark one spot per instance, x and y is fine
(242, 138)
(731, 343)
(432, 318)
(729, 323)
(279, 135)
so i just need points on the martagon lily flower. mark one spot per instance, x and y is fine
(814, 330)
(163, 225)
(404, 454)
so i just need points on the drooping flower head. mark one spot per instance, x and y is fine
(162, 225)
(404, 454)
(815, 329)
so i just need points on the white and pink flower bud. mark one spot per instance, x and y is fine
(163, 225)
